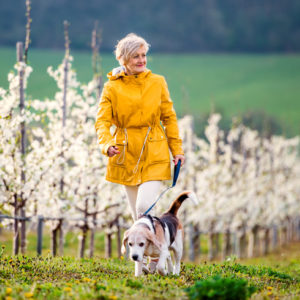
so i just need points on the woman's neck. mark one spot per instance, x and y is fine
(127, 72)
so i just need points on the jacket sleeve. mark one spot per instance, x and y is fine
(169, 121)
(104, 121)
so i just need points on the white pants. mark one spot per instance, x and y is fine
(141, 197)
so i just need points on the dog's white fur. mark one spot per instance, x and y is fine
(144, 240)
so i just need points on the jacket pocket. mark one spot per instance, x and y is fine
(119, 159)
(158, 150)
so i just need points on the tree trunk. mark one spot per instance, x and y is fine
(16, 229)
(92, 237)
(226, 246)
(23, 230)
(185, 229)
(197, 235)
(212, 245)
(194, 242)
(298, 228)
(234, 242)
(274, 237)
(61, 238)
(290, 230)
(54, 241)
(119, 240)
(253, 244)
(64, 117)
(40, 235)
(22, 149)
(54, 231)
(217, 244)
(92, 242)
(265, 241)
(108, 248)
(241, 244)
(294, 229)
(191, 242)
(83, 241)
(283, 236)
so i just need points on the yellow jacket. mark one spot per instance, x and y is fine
(139, 106)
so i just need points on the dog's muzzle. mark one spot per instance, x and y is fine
(135, 257)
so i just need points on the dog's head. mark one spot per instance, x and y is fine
(138, 239)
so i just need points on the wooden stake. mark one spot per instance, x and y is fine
(40, 235)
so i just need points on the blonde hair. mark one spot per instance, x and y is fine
(127, 46)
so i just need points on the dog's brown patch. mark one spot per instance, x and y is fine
(177, 203)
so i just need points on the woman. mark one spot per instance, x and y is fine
(138, 103)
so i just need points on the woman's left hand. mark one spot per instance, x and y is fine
(177, 158)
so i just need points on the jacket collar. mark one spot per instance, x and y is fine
(119, 72)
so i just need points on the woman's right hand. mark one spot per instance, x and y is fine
(112, 151)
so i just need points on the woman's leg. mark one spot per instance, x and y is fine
(132, 192)
(147, 194)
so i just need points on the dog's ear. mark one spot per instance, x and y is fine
(152, 239)
(125, 239)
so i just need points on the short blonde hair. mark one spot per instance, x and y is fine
(127, 46)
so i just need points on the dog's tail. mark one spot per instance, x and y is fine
(173, 209)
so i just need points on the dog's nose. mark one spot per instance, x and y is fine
(135, 257)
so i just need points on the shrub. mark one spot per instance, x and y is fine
(220, 288)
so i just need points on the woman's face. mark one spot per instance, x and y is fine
(137, 63)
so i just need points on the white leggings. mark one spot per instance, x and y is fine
(141, 197)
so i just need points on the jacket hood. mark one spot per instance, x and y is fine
(119, 72)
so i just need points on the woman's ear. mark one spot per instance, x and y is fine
(152, 239)
(125, 239)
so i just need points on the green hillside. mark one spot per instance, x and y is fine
(231, 84)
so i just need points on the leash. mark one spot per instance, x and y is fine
(176, 174)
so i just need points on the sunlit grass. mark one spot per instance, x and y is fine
(276, 275)
(46, 277)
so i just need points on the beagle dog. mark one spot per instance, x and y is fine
(155, 237)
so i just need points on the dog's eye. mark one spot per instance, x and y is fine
(130, 244)
(141, 244)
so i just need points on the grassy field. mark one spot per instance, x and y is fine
(274, 277)
(232, 84)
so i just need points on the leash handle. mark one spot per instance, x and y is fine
(176, 172)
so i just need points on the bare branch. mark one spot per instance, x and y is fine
(28, 27)
(104, 210)
(80, 209)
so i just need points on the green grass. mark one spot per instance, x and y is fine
(46, 277)
(231, 83)
(276, 275)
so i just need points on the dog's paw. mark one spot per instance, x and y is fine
(145, 270)
(161, 271)
(152, 266)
